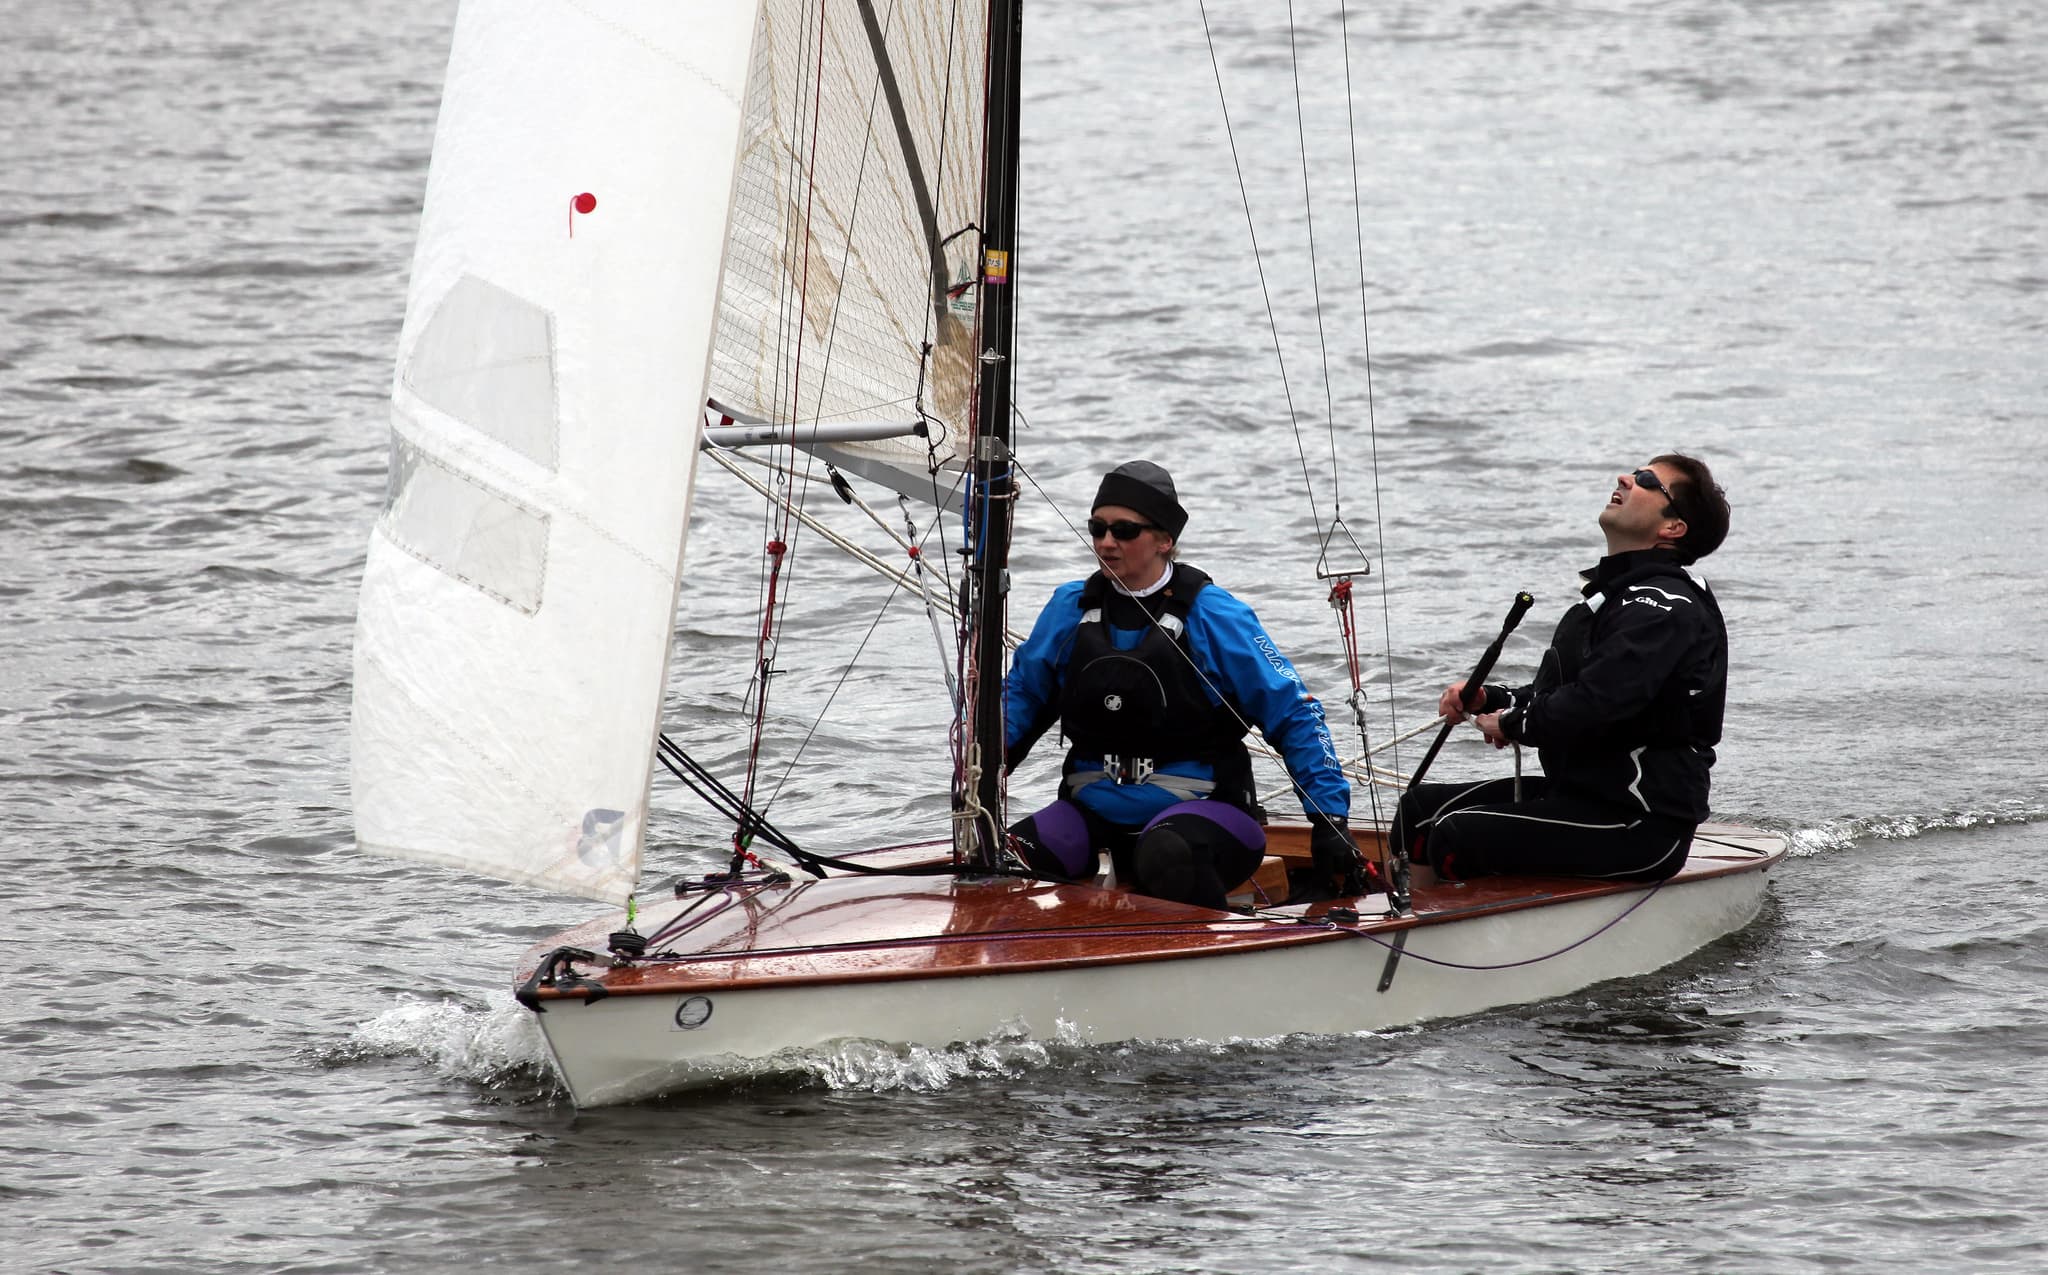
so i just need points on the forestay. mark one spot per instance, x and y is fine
(520, 585)
(852, 243)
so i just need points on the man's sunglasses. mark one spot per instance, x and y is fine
(1122, 528)
(1647, 478)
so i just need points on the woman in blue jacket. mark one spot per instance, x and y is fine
(1154, 675)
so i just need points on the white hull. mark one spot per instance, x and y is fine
(623, 1048)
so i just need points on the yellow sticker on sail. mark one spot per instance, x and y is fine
(995, 266)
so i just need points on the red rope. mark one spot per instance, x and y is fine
(1340, 600)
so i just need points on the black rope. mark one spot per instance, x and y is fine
(749, 822)
(752, 825)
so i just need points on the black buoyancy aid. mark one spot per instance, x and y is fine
(1150, 701)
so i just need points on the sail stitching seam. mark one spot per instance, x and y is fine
(448, 569)
(663, 53)
(565, 511)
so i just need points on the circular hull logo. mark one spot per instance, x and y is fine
(694, 1012)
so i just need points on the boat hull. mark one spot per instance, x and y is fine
(1167, 973)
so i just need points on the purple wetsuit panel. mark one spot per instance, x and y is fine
(1224, 815)
(1063, 831)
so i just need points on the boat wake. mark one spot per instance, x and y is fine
(1842, 833)
(495, 1045)
(498, 1046)
(875, 1066)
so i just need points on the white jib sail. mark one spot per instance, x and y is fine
(853, 243)
(519, 594)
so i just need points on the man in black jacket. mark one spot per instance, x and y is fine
(1624, 713)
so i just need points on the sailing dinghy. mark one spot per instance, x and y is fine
(651, 228)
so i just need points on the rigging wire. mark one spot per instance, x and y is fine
(901, 580)
(798, 236)
(1340, 590)
(787, 504)
(1371, 415)
(1258, 263)
(1272, 322)
(752, 823)
(846, 672)
(789, 400)
(790, 481)
(915, 549)
(731, 461)
(1308, 212)
(787, 477)
(851, 224)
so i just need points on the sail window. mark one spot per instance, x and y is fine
(452, 522)
(487, 358)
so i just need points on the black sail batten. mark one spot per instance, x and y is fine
(993, 484)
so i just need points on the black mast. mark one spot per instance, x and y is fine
(988, 572)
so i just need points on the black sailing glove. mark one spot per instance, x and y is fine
(1337, 857)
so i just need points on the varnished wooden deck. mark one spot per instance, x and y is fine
(854, 929)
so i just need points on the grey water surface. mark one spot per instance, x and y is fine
(1804, 239)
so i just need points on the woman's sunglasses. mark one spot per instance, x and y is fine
(1122, 528)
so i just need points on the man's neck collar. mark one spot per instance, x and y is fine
(1628, 559)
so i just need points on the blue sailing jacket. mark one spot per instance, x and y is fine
(1235, 657)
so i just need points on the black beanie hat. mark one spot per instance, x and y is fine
(1145, 487)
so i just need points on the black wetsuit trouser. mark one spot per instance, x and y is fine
(1191, 852)
(1479, 829)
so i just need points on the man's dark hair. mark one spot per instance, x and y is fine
(1699, 500)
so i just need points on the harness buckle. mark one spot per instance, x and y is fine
(1127, 770)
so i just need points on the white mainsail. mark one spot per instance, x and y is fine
(520, 586)
(853, 242)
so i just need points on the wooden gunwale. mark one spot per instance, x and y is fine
(988, 931)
